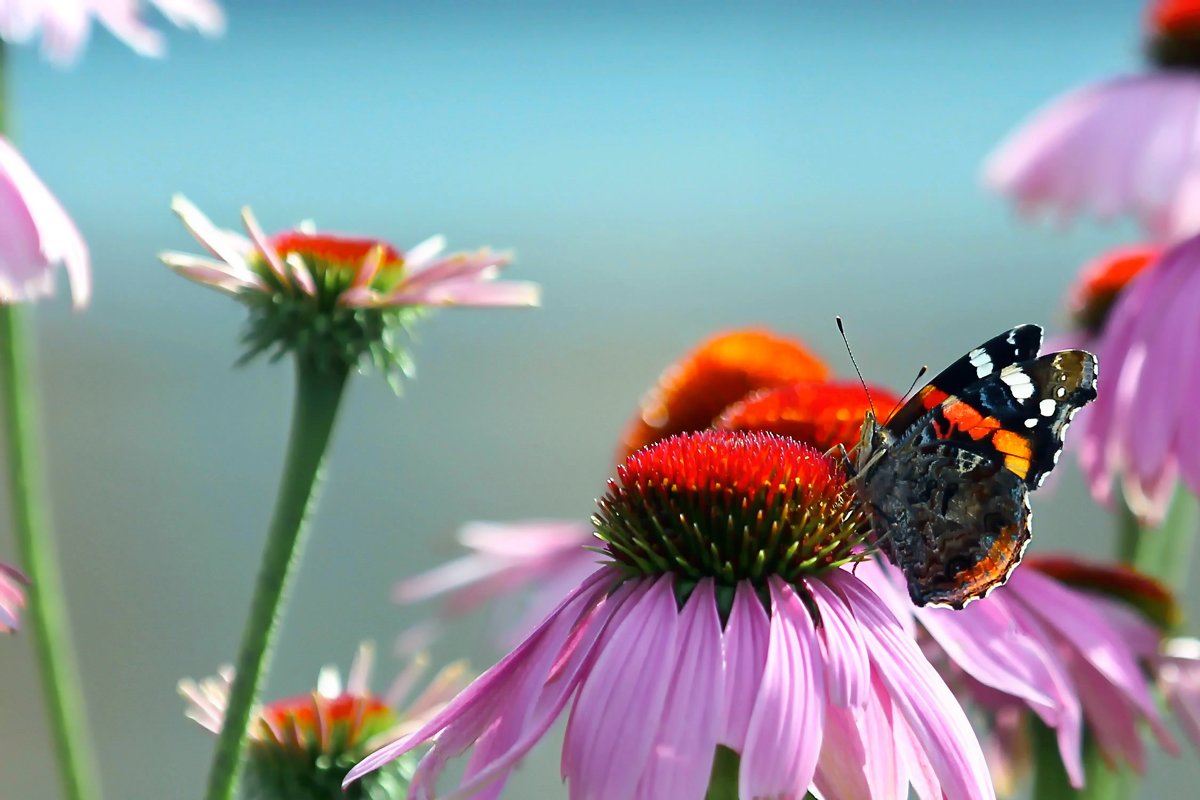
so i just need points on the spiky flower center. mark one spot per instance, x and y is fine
(303, 747)
(732, 506)
(821, 414)
(691, 393)
(334, 262)
(1102, 283)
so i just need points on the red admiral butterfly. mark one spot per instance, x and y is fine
(946, 479)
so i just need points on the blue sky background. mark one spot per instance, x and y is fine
(663, 171)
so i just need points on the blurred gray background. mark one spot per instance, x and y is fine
(663, 171)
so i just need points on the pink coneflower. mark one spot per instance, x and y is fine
(338, 298)
(1143, 433)
(1178, 670)
(1122, 146)
(723, 619)
(36, 235)
(302, 747)
(64, 26)
(1049, 642)
(12, 596)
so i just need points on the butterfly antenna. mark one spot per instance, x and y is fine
(912, 386)
(845, 341)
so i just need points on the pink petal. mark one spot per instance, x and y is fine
(225, 245)
(461, 267)
(745, 641)
(783, 742)
(933, 714)
(418, 255)
(841, 768)
(847, 669)
(682, 752)
(470, 293)
(627, 686)
(263, 246)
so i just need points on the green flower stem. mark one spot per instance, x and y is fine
(318, 394)
(39, 559)
(1165, 553)
(723, 785)
(1129, 531)
(1050, 778)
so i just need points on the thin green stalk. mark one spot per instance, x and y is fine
(723, 785)
(1165, 553)
(318, 394)
(38, 556)
(1129, 532)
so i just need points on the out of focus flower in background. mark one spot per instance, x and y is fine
(36, 235)
(63, 26)
(1125, 146)
(301, 748)
(724, 553)
(338, 299)
(12, 596)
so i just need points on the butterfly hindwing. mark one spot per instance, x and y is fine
(1013, 346)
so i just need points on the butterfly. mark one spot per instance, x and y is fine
(946, 480)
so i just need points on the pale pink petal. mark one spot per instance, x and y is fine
(1179, 673)
(225, 245)
(469, 293)
(627, 686)
(682, 752)
(36, 232)
(12, 596)
(783, 741)
(847, 668)
(301, 275)
(205, 16)
(934, 716)
(460, 267)
(369, 267)
(745, 641)
(420, 254)
(841, 768)
(263, 246)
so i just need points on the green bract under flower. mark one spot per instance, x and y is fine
(731, 506)
(336, 301)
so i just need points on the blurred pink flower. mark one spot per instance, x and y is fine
(1179, 676)
(1123, 146)
(12, 596)
(1072, 657)
(1143, 431)
(803, 670)
(35, 235)
(341, 270)
(64, 25)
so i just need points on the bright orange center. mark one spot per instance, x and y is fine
(1101, 282)
(1175, 16)
(330, 249)
(312, 720)
(721, 371)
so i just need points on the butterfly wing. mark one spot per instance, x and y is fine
(1018, 414)
(1013, 346)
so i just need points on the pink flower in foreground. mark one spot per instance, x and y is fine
(1076, 659)
(1125, 146)
(303, 746)
(338, 298)
(35, 236)
(64, 25)
(12, 596)
(722, 620)
(1143, 432)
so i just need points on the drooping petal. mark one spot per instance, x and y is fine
(682, 751)
(847, 668)
(934, 716)
(627, 686)
(783, 741)
(841, 769)
(469, 293)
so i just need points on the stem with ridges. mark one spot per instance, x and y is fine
(318, 395)
(37, 551)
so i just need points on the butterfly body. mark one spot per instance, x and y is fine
(945, 481)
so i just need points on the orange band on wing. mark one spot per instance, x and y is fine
(932, 397)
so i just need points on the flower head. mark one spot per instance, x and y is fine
(690, 394)
(37, 235)
(338, 299)
(1142, 433)
(769, 650)
(64, 26)
(822, 414)
(12, 596)
(1062, 640)
(302, 747)
(1102, 281)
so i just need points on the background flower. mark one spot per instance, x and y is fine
(12, 596)
(35, 236)
(64, 26)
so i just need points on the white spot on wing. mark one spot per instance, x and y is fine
(981, 361)
(1018, 382)
(1047, 407)
(1031, 422)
